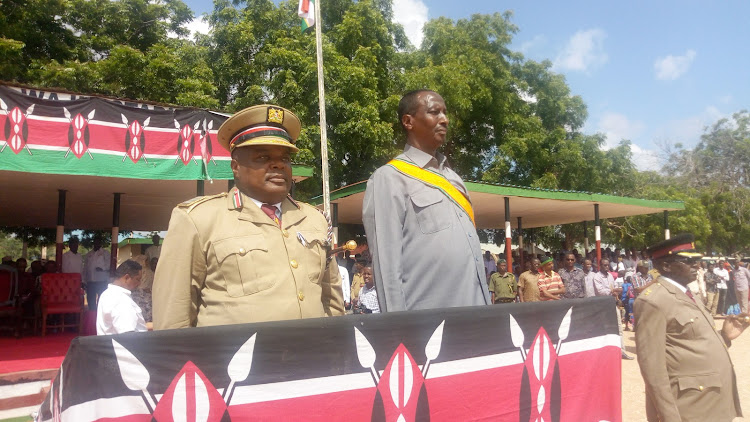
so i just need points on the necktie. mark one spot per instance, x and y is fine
(270, 211)
(690, 295)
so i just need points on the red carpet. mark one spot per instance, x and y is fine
(33, 353)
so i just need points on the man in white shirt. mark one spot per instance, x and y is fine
(96, 273)
(72, 261)
(723, 273)
(345, 286)
(154, 250)
(117, 312)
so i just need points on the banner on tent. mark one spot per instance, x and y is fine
(553, 361)
(82, 135)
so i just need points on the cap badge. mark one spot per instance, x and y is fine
(275, 115)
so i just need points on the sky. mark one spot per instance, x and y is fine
(654, 72)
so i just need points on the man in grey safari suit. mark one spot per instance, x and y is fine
(419, 225)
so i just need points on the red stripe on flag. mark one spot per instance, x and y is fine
(305, 7)
(590, 381)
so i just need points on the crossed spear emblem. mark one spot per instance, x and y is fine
(137, 378)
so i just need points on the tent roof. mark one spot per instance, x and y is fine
(537, 207)
(30, 199)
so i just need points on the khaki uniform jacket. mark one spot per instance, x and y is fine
(227, 263)
(683, 359)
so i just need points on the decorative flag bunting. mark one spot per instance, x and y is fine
(306, 11)
(96, 136)
(551, 361)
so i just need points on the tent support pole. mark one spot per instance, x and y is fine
(597, 236)
(508, 238)
(115, 234)
(60, 228)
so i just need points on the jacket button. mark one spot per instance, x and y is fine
(301, 297)
(700, 388)
(285, 232)
(293, 263)
(242, 251)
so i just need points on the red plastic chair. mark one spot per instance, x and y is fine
(9, 301)
(62, 294)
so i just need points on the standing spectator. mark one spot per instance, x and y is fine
(604, 284)
(96, 273)
(503, 285)
(573, 278)
(730, 303)
(550, 284)
(72, 261)
(154, 250)
(345, 286)
(741, 280)
(701, 282)
(528, 282)
(588, 276)
(722, 272)
(357, 281)
(490, 266)
(712, 293)
(641, 279)
(117, 312)
(417, 203)
(627, 298)
(368, 296)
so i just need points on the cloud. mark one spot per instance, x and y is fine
(617, 127)
(199, 25)
(672, 67)
(687, 131)
(583, 52)
(726, 99)
(535, 42)
(646, 159)
(412, 15)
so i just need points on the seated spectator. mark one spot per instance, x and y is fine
(117, 312)
(8, 260)
(50, 266)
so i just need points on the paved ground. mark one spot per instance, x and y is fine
(633, 395)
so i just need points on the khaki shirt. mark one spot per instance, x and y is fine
(227, 263)
(528, 282)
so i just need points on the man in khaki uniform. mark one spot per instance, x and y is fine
(683, 359)
(252, 254)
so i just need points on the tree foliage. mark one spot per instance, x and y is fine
(512, 120)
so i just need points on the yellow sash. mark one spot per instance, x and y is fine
(437, 181)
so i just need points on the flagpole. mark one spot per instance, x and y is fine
(322, 106)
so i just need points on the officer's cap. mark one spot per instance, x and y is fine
(681, 245)
(260, 125)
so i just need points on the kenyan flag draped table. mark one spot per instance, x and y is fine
(553, 361)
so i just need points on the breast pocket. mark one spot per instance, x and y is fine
(316, 255)
(240, 259)
(684, 326)
(431, 210)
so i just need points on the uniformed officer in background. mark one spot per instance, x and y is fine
(684, 360)
(252, 254)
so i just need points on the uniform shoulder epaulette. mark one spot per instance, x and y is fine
(192, 203)
(651, 288)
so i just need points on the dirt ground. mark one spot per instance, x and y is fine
(633, 394)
